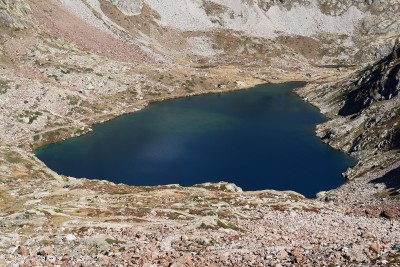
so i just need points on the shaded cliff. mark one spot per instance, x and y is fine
(68, 64)
(365, 113)
(379, 82)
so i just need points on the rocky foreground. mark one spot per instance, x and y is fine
(53, 220)
(66, 65)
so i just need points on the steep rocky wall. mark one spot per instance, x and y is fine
(365, 113)
(376, 83)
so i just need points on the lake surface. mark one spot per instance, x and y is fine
(261, 138)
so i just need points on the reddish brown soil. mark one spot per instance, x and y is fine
(60, 22)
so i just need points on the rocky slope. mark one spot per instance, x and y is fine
(65, 65)
(330, 31)
(365, 113)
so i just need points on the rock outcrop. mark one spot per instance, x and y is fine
(345, 32)
(68, 64)
(376, 83)
(364, 111)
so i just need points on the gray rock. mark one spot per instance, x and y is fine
(128, 7)
(321, 196)
(356, 254)
(69, 238)
(98, 241)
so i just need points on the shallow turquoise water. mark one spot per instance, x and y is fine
(262, 138)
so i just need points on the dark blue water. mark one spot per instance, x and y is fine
(262, 138)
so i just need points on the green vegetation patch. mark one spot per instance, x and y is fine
(51, 136)
(188, 85)
(4, 87)
(12, 158)
(73, 100)
(227, 225)
(205, 226)
(55, 77)
(31, 115)
(389, 193)
(111, 241)
(220, 224)
(65, 71)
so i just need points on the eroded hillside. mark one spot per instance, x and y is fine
(66, 65)
(341, 31)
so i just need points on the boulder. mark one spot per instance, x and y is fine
(69, 238)
(388, 214)
(356, 254)
(375, 248)
(46, 251)
(24, 251)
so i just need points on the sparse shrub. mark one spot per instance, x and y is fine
(65, 71)
(227, 225)
(55, 77)
(111, 241)
(223, 187)
(4, 87)
(205, 226)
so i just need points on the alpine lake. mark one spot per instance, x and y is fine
(260, 138)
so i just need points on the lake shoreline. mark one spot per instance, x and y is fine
(257, 101)
(140, 105)
(143, 104)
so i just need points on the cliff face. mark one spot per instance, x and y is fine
(377, 83)
(68, 64)
(365, 113)
(113, 46)
(251, 41)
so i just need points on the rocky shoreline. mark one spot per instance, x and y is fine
(66, 65)
(210, 224)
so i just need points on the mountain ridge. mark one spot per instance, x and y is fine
(66, 65)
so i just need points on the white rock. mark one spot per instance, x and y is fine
(69, 238)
